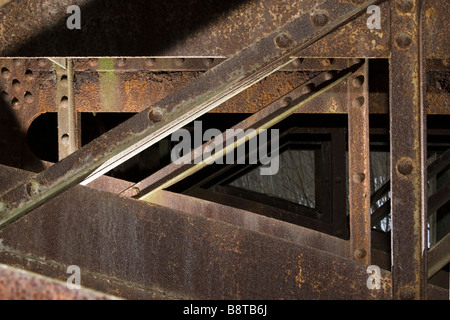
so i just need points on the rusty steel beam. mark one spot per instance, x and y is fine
(359, 164)
(16, 284)
(171, 250)
(208, 91)
(168, 251)
(181, 33)
(264, 119)
(252, 221)
(69, 121)
(408, 151)
(185, 29)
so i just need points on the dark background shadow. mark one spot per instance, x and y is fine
(119, 27)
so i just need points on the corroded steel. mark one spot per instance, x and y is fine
(408, 151)
(264, 119)
(208, 91)
(359, 164)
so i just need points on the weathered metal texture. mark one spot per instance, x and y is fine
(435, 28)
(408, 152)
(18, 284)
(69, 121)
(19, 105)
(359, 164)
(180, 255)
(202, 28)
(262, 224)
(138, 64)
(164, 253)
(264, 119)
(208, 91)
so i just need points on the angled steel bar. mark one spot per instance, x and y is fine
(439, 256)
(264, 119)
(208, 91)
(359, 164)
(408, 152)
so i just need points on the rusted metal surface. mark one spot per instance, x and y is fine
(359, 164)
(157, 247)
(201, 28)
(264, 119)
(219, 84)
(163, 253)
(408, 152)
(18, 284)
(69, 121)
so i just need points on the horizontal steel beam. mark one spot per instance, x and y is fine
(168, 115)
(170, 251)
(191, 29)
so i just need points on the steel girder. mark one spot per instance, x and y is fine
(281, 48)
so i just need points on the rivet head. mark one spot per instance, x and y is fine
(328, 75)
(179, 62)
(29, 75)
(283, 41)
(358, 81)
(156, 115)
(358, 102)
(64, 102)
(405, 6)
(308, 88)
(16, 85)
(405, 166)
(33, 187)
(359, 177)
(135, 191)
(150, 62)
(326, 62)
(64, 81)
(208, 62)
(286, 102)
(320, 18)
(297, 62)
(360, 254)
(6, 73)
(15, 103)
(121, 62)
(65, 139)
(28, 97)
(403, 40)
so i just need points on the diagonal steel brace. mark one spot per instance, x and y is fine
(173, 112)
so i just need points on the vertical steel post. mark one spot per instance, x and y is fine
(69, 124)
(359, 164)
(408, 152)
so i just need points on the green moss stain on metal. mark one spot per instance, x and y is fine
(108, 85)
